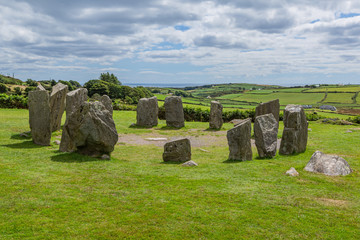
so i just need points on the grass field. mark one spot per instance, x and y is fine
(46, 194)
(352, 88)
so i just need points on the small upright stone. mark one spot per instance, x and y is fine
(177, 151)
(57, 105)
(216, 120)
(75, 99)
(40, 87)
(239, 141)
(39, 117)
(269, 107)
(295, 134)
(190, 163)
(174, 112)
(292, 172)
(106, 101)
(328, 165)
(265, 131)
(147, 112)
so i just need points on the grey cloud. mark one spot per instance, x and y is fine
(213, 41)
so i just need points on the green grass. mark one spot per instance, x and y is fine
(334, 88)
(46, 194)
(339, 98)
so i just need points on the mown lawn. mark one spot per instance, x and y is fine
(46, 194)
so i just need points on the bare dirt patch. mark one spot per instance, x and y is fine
(332, 202)
(349, 111)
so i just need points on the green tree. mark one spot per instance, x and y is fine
(17, 91)
(3, 88)
(99, 88)
(31, 83)
(110, 78)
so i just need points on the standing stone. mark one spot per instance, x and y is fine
(295, 134)
(40, 87)
(57, 105)
(177, 151)
(328, 164)
(239, 141)
(216, 120)
(106, 101)
(75, 99)
(147, 112)
(89, 130)
(269, 107)
(265, 131)
(39, 117)
(174, 112)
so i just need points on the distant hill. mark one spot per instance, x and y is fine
(10, 80)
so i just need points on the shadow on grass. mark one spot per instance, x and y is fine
(20, 136)
(138, 127)
(25, 144)
(169, 128)
(212, 130)
(73, 158)
(172, 163)
(233, 161)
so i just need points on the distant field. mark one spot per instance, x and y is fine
(355, 88)
(339, 98)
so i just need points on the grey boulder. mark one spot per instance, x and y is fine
(239, 141)
(57, 105)
(265, 131)
(295, 134)
(147, 112)
(216, 120)
(89, 130)
(39, 117)
(269, 107)
(174, 112)
(177, 151)
(328, 164)
(292, 172)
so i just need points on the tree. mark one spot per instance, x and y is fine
(3, 88)
(17, 91)
(31, 83)
(99, 88)
(75, 84)
(110, 78)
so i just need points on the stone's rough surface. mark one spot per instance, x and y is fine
(177, 151)
(216, 120)
(147, 112)
(189, 164)
(292, 172)
(39, 117)
(239, 141)
(295, 134)
(40, 87)
(57, 105)
(328, 164)
(89, 130)
(106, 101)
(269, 107)
(265, 131)
(174, 112)
(75, 99)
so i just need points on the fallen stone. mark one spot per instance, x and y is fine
(328, 164)
(239, 141)
(269, 107)
(216, 120)
(203, 150)
(265, 132)
(105, 157)
(57, 142)
(89, 130)
(39, 117)
(106, 101)
(189, 164)
(292, 172)
(177, 151)
(24, 134)
(295, 134)
(174, 112)
(147, 112)
(349, 131)
(57, 105)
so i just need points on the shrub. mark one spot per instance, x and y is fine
(13, 101)
(17, 91)
(3, 88)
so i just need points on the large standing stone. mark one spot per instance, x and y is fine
(174, 112)
(57, 105)
(269, 107)
(75, 99)
(177, 151)
(239, 141)
(106, 101)
(265, 131)
(295, 134)
(147, 112)
(216, 120)
(328, 164)
(89, 130)
(39, 117)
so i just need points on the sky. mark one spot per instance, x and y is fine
(278, 42)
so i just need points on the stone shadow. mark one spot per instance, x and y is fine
(233, 161)
(20, 136)
(25, 144)
(73, 158)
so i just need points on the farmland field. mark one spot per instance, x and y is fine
(46, 194)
